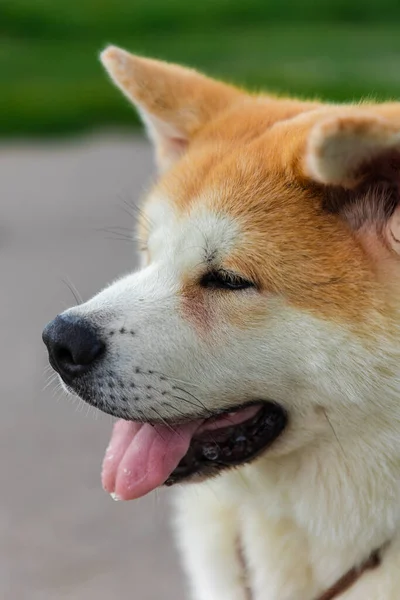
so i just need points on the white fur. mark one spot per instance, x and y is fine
(327, 493)
(335, 152)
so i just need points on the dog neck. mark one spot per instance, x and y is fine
(342, 585)
(353, 575)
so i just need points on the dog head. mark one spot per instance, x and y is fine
(269, 276)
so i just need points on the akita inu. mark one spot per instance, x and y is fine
(255, 355)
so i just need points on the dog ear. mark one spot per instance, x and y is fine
(174, 102)
(357, 159)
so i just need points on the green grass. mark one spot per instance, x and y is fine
(51, 81)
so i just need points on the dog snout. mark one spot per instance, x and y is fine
(73, 345)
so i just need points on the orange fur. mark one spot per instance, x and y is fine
(196, 308)
(284, 229)
(297, 205)
(249, 157)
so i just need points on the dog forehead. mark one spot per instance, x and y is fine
(249, 184)
(200, 231)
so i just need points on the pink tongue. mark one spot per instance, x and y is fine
(141, 457)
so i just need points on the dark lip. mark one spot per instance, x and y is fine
(229, 447)
(204, 459)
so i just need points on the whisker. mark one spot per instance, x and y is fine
(119, 239)
(72, 288)
(116, 235)
(158, 415)
(333, 431)
(194, 397)
(176, 410)
(125, 231)
(138, 211)
(169, 378)
(166, 423)
(135, 212)
(190, 403)
(50, 374)
(51, 380)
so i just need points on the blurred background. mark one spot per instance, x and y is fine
(72, 162)
(51, 81)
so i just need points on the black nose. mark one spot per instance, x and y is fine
(73, 345)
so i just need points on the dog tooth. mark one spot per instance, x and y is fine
(210, 451)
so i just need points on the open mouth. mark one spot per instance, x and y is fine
(144, 456)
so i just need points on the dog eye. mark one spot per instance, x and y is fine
(223, 280)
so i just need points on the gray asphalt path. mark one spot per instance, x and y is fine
(61, 536)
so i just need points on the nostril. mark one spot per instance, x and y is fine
(63, 355)
(87, 353)
(78, 354)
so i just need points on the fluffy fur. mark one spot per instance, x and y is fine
(302, 199)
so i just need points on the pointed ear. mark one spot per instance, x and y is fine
(174, 102)
(357, 158)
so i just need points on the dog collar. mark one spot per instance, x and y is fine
(344, 583)
(353, 575)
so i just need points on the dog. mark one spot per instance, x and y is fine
(254, 357)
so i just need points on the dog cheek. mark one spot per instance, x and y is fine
(196, 310)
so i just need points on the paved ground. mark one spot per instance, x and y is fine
(61, 536)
